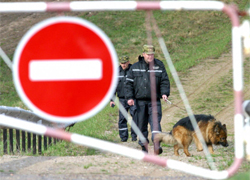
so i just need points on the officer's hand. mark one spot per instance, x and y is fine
(131, 102)
(164, 97)
(112, 104)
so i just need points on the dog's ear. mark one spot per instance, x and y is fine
(225, 127)
(217, 129)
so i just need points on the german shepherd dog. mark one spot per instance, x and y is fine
(183, 133)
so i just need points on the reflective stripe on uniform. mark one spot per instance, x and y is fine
(123, 129)
(144, 70)
(154, 70)
(130, 79)
(156, 132)
(141, 70)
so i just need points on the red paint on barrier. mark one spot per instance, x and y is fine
(60, 134)
(58, 6)
(155, 159)
(235, 166)
(238, 102)
(146, 5)
(232, 12)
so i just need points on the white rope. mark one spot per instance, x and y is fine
(5, 58)
(130, 121)
(185, 101)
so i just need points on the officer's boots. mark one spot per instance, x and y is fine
(145, 148)
(157, 148)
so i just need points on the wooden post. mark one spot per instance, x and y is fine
(23, 141)
(34, 144)
(17, 140)
(45, 142)
(50, 141)
(29, 141)
(39, 144)
(11, 141)
(5, 141)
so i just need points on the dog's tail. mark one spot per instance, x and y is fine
(166, 138)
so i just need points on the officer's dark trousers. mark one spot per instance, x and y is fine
(122, 124)
(144, 116)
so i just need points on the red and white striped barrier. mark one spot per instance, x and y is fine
(109, 6)
(232, 13)
(30, 116)
(117, 149)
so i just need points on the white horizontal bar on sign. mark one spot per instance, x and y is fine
(191, 5)
(23, 7)
(65, 70)
(102, 5)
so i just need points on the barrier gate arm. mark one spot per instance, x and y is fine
(8, 7)
(114, 148)
(28, 115)
(232, 13)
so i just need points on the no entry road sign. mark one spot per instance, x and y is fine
(65, 69)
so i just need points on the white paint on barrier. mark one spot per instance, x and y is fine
(65, 70)
(239, 135)
(237, 59)
(22, 124)
(191, 5)
(23, 7)
(107, 146)
(198, 171)
(101, 5)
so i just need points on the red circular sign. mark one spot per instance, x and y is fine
(65, 69)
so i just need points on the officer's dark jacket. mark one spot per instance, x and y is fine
(120, 89)
(138, 80)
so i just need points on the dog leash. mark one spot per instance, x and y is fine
(169, 102)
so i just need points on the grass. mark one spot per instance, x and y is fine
(243, 176)
(190, 36)
(205, 34)
(217, 95)
(88, 166)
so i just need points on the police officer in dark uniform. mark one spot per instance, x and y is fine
(120, 91)
(138, 87)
